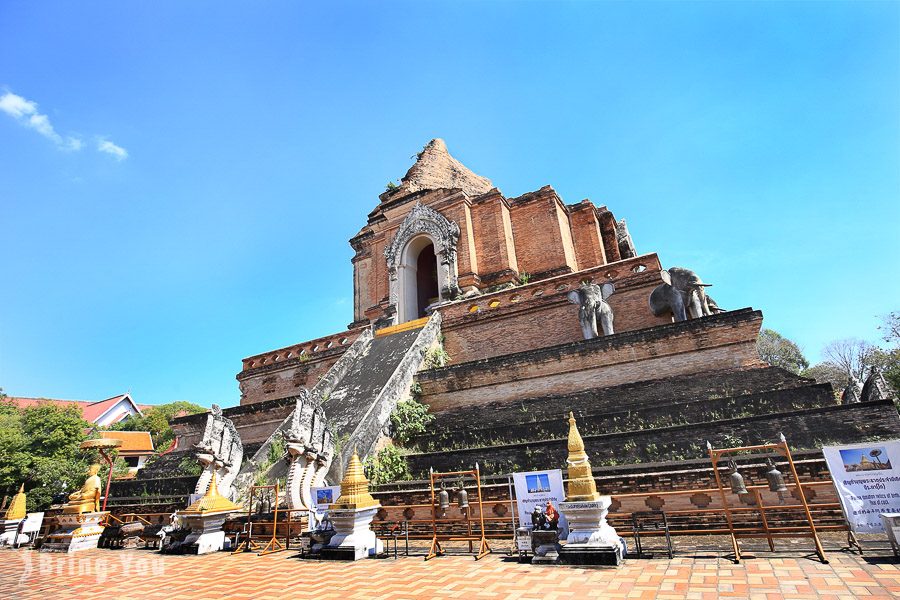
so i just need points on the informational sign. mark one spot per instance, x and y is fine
(322, 497)
(536, 489)
(867, 478)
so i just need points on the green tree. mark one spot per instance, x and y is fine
(387, 465)
(779, 351)
(39, 446)
(156, 420)
(408, 419)
(828, 372)
(890, 358)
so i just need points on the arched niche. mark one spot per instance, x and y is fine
(423, 227)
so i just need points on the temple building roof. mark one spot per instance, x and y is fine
(101, 412)
(134, 443)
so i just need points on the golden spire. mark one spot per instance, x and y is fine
(354, 487)
(16, 509)
(212, 501)
(581, 486)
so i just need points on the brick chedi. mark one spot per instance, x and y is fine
(445, 258)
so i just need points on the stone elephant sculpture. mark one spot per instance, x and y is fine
(683, 293)
(594, 310)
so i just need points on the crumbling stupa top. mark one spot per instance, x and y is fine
(435, 169)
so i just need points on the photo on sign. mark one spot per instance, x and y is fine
(865, 459)
(325, 496)
(538, 483)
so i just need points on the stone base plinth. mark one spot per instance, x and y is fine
(353, 539)
(206, 535)
(77, 532)
(545, 545)
(577, 554)
(591, 540)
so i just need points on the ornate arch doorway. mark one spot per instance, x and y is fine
(421, 263)
(418, 279)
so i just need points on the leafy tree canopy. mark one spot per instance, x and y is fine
(39, 447)
(779, 351)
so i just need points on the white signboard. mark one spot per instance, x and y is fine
(322, 497)
(536, 488)
(867, 478)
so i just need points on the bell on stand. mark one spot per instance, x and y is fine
(443, 499)
(776, 480)
(462, 497)
(736, 480)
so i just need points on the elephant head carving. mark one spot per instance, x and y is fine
(684, 294)
(594, 310)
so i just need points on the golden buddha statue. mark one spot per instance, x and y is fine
(87, 499)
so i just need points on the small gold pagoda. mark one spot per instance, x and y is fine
(581, 486)
(354, 487)
(16, 510)
(211, 502)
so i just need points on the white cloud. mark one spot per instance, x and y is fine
(108, 147)
(26, 112)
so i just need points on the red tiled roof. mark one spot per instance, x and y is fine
(133, 442)
(90, 411)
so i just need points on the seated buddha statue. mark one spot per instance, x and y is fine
(87, 499)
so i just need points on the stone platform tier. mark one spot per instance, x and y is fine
(723, 341)
(652, 395)
(808, 415)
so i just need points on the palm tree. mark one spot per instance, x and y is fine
(875, 454)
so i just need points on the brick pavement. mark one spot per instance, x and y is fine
(144, 575)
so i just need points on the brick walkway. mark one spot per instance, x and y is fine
(144, 575)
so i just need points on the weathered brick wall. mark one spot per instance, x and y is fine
(804, 429)
(541, 247)
(254, 422)
(282, 373)
(724, 341)
(539, 314)
(586, 235)
(494, 246)
(698, 387)
(499, 238)
(547, 421)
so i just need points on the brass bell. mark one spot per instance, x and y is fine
(462, 497)
(775, 478)
(736, 480)
(443, 499)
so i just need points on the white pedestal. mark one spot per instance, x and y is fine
(591, 539)
(77, 532)
(353, 539)
(206, 534)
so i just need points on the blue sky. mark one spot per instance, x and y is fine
(758, 143)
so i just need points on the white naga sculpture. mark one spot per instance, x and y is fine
(309, 452)
(220, 452)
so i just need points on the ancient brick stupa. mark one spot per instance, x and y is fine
(591, 539)
(508, 311)
(351, 516)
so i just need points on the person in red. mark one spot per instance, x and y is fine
(552, 516)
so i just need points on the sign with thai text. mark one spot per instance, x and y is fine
(867, 478)
(536, 489)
